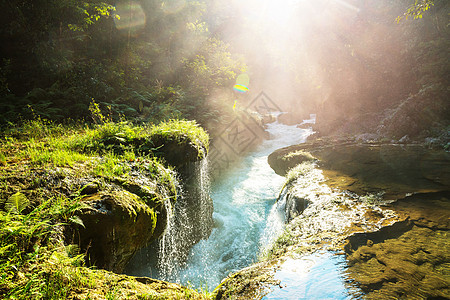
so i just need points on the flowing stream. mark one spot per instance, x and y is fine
(246, 216)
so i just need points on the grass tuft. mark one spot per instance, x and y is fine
(180, 130)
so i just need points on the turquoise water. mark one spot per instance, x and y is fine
(315, 276)
(247, 218)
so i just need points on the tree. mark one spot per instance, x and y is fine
(416, 10)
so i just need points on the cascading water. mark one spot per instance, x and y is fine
(246, 217)
(188, 221)
(204, 207)
(178, 228)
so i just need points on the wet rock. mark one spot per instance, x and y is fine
(170, 149)
(431, 210)
(411, 253)
(249, 283)
(90, 188)
(114, 286)
(294, 206)
(396, 169)
(281, 161)
(398, 266)
(116, 225)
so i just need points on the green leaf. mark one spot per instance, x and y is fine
(16, 203)
(76, 220)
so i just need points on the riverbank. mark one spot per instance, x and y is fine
(77, 203)
(383, 207)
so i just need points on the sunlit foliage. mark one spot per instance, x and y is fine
(59, 55)
(416, 10)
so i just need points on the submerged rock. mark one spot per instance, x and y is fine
(408, 259)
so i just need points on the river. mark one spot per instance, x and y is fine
(245, 213)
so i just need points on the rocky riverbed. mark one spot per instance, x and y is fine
(383, 208)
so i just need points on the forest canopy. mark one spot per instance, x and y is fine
(144, 60)
(359, 65)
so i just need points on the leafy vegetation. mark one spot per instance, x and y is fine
(32, 261)
(59, 55)
(35, 261)
(34, 264)
(64, 63)
(416, 10)
(396, 75)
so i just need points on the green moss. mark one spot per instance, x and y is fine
(180, 131)
(34, 264)
(299, 153)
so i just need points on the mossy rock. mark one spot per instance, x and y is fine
(116, 225)
(113, 286)
(282, 160)
(176, 152)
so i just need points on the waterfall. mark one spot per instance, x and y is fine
(275, 225)
(246, 218)
(205, 207)
(189, 220)
(178, 228)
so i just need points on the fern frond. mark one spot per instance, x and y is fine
(16, 203)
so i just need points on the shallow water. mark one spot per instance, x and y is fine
(315, 276)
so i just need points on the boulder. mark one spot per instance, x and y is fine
(116, 225)
(294, 206)
(395, 169)
(171, 149)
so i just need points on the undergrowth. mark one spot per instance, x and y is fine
(35, 263)
(43, 143)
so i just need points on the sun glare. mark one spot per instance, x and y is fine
(277, 12)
